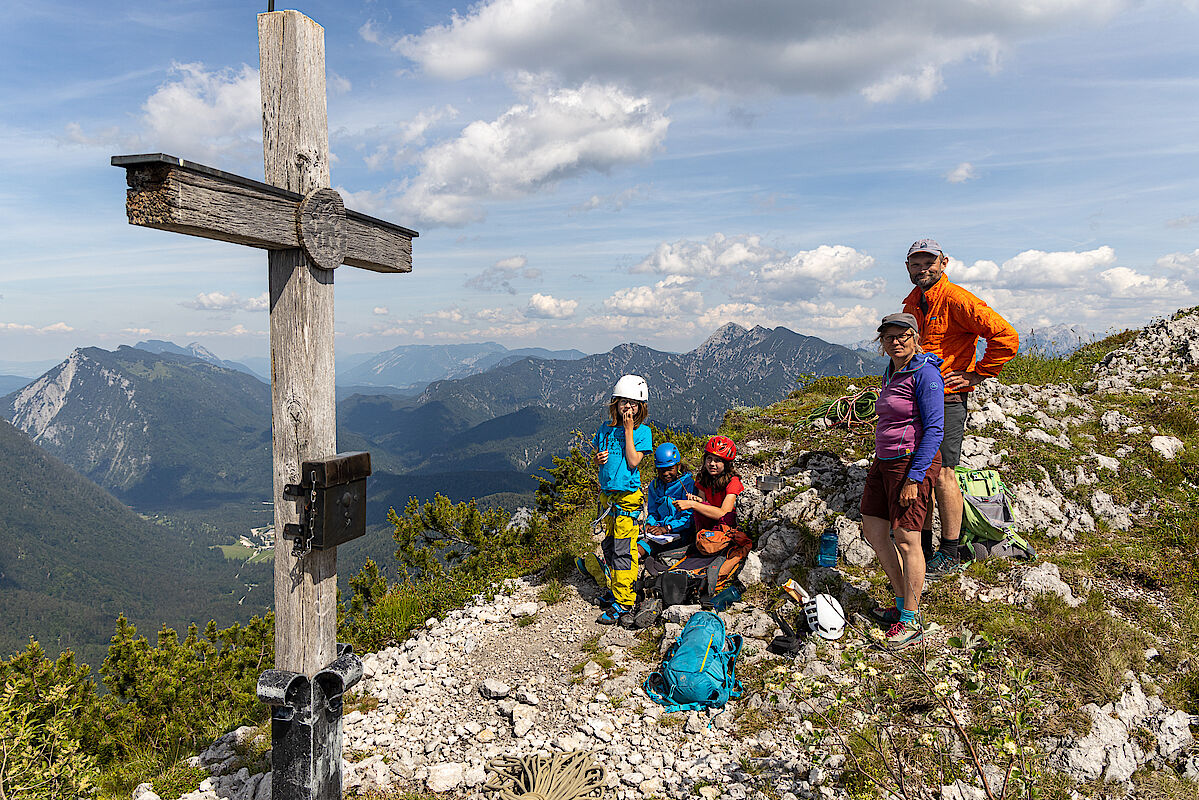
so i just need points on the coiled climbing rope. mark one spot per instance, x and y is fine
(849, 410)
(562, 776)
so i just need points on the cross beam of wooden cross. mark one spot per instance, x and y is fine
(171, 194)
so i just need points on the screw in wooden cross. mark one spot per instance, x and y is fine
(308, 233)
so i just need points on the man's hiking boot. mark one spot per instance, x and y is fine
(613, 614)
(940, 565)
(904, 634)
(885, 615)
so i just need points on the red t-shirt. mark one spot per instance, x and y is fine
(715, 497)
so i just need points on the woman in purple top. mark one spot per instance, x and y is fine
(907, 441)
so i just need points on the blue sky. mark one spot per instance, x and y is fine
(587, 172)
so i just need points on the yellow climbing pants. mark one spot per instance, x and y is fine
(620, 545)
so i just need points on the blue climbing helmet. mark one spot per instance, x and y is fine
(667, 455)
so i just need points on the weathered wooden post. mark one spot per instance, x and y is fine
(319, 498)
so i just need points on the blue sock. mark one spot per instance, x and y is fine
(899, 604)
(907, 615)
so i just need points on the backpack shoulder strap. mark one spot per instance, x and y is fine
(733, 645)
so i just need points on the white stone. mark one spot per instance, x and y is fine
(524, 610)
(679, 614)
(632, 778)
(1045, 577)
(1168, 447)
(494, 689)
(445, 777)
(1107, 509)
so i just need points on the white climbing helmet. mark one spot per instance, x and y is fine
(825, 617)
(632, 387)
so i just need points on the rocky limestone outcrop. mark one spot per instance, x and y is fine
(1135, 731)
(1164, 347)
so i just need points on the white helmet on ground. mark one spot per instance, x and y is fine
(632, 387)
(825, 617)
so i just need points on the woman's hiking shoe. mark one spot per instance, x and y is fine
(940, 565)
(885, 615)
(903, 634)
(613, 613)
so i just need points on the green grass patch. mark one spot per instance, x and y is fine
(649, 642)
(553, 592)
(1080, 654)
(178, 779)
(235, 552)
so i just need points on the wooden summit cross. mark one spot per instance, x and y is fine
(308, 231)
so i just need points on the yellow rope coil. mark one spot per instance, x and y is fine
(562, 776)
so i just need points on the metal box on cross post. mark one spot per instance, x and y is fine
(332, 494)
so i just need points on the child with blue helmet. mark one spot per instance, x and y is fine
(668, 527)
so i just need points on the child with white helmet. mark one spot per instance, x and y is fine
(620, 444)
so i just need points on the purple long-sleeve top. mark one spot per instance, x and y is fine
(911, 413)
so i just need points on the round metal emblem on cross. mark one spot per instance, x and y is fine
(321, 225)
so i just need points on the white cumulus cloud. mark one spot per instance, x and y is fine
(203, 113)
(544, 306)
(961, 173)
(758, 272)
(56, 327)
(1125, 282)
(221, 302)
(666, 298)
(235, 331)
(1036, 269)
(211, 116)
(552, 135)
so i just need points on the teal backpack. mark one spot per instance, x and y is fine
(699, 669)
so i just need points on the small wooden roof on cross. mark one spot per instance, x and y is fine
(171, 194)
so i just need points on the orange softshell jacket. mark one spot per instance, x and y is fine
(951, 325)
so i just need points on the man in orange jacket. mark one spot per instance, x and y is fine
(951, 321)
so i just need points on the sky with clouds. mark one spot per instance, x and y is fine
(589, 172)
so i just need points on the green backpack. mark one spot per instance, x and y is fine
(988, 524)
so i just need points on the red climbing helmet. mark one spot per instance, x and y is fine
(721, 447)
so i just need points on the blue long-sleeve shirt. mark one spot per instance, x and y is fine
(659, 506)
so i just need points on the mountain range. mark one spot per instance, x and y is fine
(168, 431)
(197, 350)
(415, 366)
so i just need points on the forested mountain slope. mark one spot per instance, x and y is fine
(72, 558)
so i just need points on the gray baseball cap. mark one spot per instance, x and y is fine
(925, 246)
(902, 319)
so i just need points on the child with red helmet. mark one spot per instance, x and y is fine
(718, 486)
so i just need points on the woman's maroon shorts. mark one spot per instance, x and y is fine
(880, 498)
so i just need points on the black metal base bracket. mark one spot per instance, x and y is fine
(306, 727)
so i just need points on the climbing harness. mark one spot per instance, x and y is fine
(562, 776)
(849, 410)
(598, 525)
